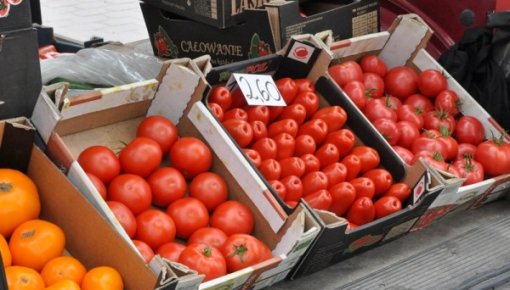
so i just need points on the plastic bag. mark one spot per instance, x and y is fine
(102, 67)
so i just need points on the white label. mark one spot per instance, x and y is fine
(257, 89)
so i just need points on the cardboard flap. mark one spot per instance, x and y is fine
(46, 115)
(16, 153)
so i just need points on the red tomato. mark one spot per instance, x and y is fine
(305, 144)
(364, 187)
(309, 100)
(238, 99)
(376, 110)
(312, 163)
(494, 155)
(400, 190)
(167, 185)
(345, 72)
(374, 85)
(274, 112)
(100, 161)
(388, 129)
(233, 217)
(450, 144)
(270, 169)
(353, 164)
(279, 188)
(466, 150)
(144, 250)
(317, 128)
(434, 159)
(408, 133)
(453, 170)
(253, 156)
(240, 131)
(362, 211)
(405, 154)
(171, 251)
(401, 82)
(327, 154)
(447, 101)
(210, 236)
(189, 214)
(221, 96)
(343, 195)
(98, 185)
(296, 112)
(217, 111)
(266, 147)
(336, 173)
(190, 156)
(389, 101)
(287, 88)
(305, 85)
(293, 187)
(469, 130)
(204, 259)
(334, 116)
(235, 113)
(469, 169)
(314, 181)
(410, 114)
(258, 113)
(160, 129)
(292, 166)
(431, 133)
(368, 156)
(386, 205)
(343, 139)
(155, 228)
(320, 199)
(131, 190)
(241, 251)
(356, 91)
(420, 103)
(373, 63)
(285, 145)
(141, 156)
(382, 179)
(438, 119)
(210, 188)
(432, 145)
(259, 130)
(289, 126)
(431, 82)
(291, 203)
(125, 217)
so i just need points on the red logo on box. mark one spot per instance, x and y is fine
(301, 52)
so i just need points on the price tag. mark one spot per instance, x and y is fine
(257, 89)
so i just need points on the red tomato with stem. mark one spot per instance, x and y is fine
(253, 156)
(374, 85)
(368, 156)
(131, 190)
(401, 82)
(210, 236)
(241, 251)
(266, 147)
(405, 154)
(420, 103)
(336, 173)
(400, 190)
(287, 88)
(98, 185)
(386, 205)
(293, 187)
(353, 164)
(320, 199)
(258, 113)
(362, 211)
(124, 215)
(167, 185)
(312, 163)
(494, 155)
(450, 144)
(431, 133)
(431, 82)
(356, 91)
(469, 169)
(327, 154)
(189, 214)
(314, 181)
(317, 128)
(469, 130)
(432, 145)
(296, 112)
(410, 114)
(305, 144)
(100, 161)
(270, 169)
(141, 156)
(343, 195)
(448, 101)
(210, 188)
(434, 159)
(144, 250)
(334, 116)
(305, 85)
(191, 156)
(233, 217)
(217, 111)
(364, 187)
(376, 110)
(279, 188)
(285, 144)
(204, 259)
(171, 251)
(160, 129)
(382, 179)
(155, 228)
(221, 96)
(388, 129)
(465, 150)
(240, 130)
(309, 100)
(292, 166)
(373, 63)
(259, 130)
(235, 113)
(343, 139)
(408, 133)
(345, 72)
(438, 119)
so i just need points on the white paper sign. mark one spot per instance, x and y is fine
(257, 89)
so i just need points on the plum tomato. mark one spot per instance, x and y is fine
(382, 179)
(258, 113)
(305, 85)
(259, 130)
(217, 111)
(343, 139)
(289, 126)
(312, 163)
(266, 147)
(285, 144)
(293, 187)
(327, 154)
(336, 173)
(334, 116)
(270, 169)
(292, 166)
(279, 188)
(314, 181)
(232, 217)
(364, 187)
(320, 199)
(253, 156)
(287, 88)
(362, 211)
(368, 156)
(296, 112)
(353, 164)
(317, 128)
(400, 190)
(386, 205)
(221, 96)
(310, 100)
(343, 195)
(305, 144)
(235, 113)
(240, 131)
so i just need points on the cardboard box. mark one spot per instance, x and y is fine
(404, 44)
(15, 14)
(335, 242)
(215, 13)
(89, 237)
(20, 83)
(111, 117)
(345, 19)
(175, 37)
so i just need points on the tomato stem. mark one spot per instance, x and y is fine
(5, 186)
(239, 250)
(207, 251)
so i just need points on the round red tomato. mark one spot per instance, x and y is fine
(469, 130)
(210, 236)
(292, 166)
(160, 129)
(320, 199)
(345, 72)
(438, 119)
(270, 169)
(233, 217)
(494, 155)
(343, 195)
(420, 103)
(305, 144)
(364, 187)
(336, 173)
(353, 164)
(171, 251)
(405, 154)
(293, 188)
(125, 217)
(309, 100)
(289, 126)
(144, 250)
(217, 111)
(190, 156)
(408, 133)
(253, 156)
(131, 190)
(410, 114)
(401, 82)
(376, 110)
(382, 179)
(98, 185)
(327, 154)
(317, 128)
(334, 116)
(305, 85)
(387, 205)
(240, 131)
(141, 156)
(285, 145)
(469, 169)
(373, 63)
(312, 163)
(235, 113)
(279, 188)
(368, 156)
(210, 188)
(100, 161)
(242, 250)
(388, 129)
(155, 228)
(362, 211)
(450, 144)
(296, 112)
(221, 96)
(287, 88)
(343, 139)
(356, 91)
(189, 214)
(434, 159)
(400, 190)
(374, 84)
(431, 82)
(466, 150)
(314, 181)
(167, 185)
(204, 259)
(433, 145)
(447, 101)
(258, 113)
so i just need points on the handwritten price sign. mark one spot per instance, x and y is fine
(257, 89)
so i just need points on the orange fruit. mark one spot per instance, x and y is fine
(19, 200)
(102, 278)
(5, 252)
(64, 285)
(23, 278)
(63, 268)
(35, 242)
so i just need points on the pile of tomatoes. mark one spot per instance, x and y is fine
(419, 116)
(304, 152)
(164, 195)
(32, 249)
